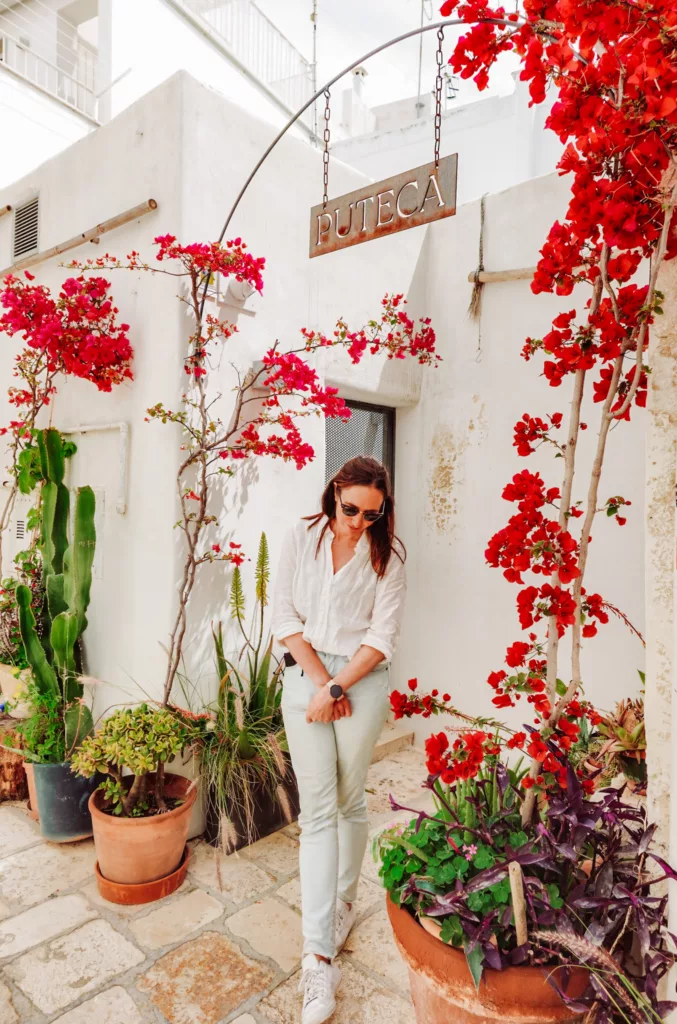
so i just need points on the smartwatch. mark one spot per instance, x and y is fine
(336, 691)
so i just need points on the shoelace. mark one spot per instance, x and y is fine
(315, 984)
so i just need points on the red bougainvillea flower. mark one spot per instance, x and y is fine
(78, 332)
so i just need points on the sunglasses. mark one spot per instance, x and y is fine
(351, 511)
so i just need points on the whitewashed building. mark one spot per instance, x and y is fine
(451, 426)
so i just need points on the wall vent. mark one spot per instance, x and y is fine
(20, 529)
(26, 220)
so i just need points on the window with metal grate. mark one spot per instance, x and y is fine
(369, 431)
(26, 223)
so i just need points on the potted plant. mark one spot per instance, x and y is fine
(544, 920)
(140, 813)
(60, 719)
(250, 787)
(624, 743)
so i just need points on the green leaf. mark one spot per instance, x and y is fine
(518, 839)
(556, 901)
(452, 931)
(484, 858)
(475, 959)
(561, 687)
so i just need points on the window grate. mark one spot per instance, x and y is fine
(26, 220)
(369, 431)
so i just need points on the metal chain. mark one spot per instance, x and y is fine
(325, 154)
(438, 95)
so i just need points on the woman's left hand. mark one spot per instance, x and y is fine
(321, 707)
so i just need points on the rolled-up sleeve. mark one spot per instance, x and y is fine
(388, 610)
(285, 619)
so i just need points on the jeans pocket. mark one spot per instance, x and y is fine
(296, 689)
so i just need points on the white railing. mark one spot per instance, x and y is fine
(261, 47)
(63, 86)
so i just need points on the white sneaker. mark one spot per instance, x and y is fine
(319, 982)
(345, 919)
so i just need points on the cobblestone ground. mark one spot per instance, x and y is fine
(225, 947)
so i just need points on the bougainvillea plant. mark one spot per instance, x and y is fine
(268, 403)
(613, 66)
(585, 865)
(78, 334)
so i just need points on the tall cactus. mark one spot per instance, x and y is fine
(67, 572)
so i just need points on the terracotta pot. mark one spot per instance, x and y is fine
(147, 892)
(134, 851)
(32, 795)
(443, 990)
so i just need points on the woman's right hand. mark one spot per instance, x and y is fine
(342, 709)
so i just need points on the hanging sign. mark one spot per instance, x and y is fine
(407, 200)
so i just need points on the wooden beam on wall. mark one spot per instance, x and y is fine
(494, 276)
(87, 236)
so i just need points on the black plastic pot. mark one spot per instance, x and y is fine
(62, 802)
(268, 815)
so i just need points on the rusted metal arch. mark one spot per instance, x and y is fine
(384, 46)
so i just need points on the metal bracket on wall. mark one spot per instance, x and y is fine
(121, 500)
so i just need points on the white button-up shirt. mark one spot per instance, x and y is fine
(336, 612)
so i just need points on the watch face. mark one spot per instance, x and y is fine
(336, 691)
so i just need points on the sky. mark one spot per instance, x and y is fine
(346, 29)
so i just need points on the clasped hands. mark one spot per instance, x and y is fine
(323, 707)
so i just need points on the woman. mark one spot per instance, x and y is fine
(338, 605)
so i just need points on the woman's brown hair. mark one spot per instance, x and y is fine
(365, 472)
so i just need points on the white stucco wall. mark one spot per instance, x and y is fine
(190, 149)
(500, 140)
(147, 151)
(454, 450)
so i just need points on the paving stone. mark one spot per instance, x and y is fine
(8, 1014)
(111, 1007)
(16, 832)
(372, 943)
(293, 830)
(176, 920)
(41, 923)
(28, 880)
(246, 1019)
(368, 895)
(204, 980)
(237, 878)
(272, 929)
(4, 911)
(55, 975)
(370, 867)
(277, 853)
(359, 1000)
(401, 775)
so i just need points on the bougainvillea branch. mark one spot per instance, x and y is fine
(270, 400)
(75, 334)
(613, 64)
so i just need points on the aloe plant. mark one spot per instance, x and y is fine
(245, 745)
(53, 653)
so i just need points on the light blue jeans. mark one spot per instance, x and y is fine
(331, 761)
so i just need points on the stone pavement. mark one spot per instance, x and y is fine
(225, 948)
